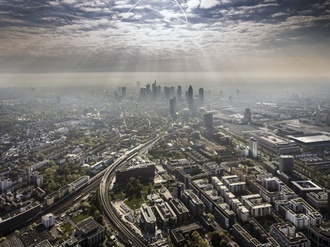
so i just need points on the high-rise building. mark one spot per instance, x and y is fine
(286, 164)
(253, 145)
(190, 98)
(201, 96)
(173, 107)
(179, 93)
(123, 92)
(167, 92)
(172, 92)
(148, 90)
(143, 92)
(208, 120)
(159, 90)
(208, 130)
(154, 89)
(247, 116)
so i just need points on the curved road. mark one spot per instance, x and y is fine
(109, 175)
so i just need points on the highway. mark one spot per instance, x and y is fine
(132, 238)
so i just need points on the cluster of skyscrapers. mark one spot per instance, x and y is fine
(174, 97)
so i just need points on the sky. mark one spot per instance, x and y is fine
(170, 39)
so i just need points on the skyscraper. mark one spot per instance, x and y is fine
(286, 164)
(208, 120)
(148, 90)
(167, 92)
(201, 96)
(154, 89)
(123, 92)
(208, 130)
(253, 147)
(247, 116)
(190, 98)
(173, 107)
(172, 91)
(179, 93)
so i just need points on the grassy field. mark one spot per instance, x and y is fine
(118, 195)
(67, 228)
(80, 217)
(134, 201)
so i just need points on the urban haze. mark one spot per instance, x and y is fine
(164, 123)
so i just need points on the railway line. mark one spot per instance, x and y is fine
(132, 238)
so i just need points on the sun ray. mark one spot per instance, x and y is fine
(176, 2)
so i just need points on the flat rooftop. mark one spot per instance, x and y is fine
(306, 185)
(312, 139)
(35, 235)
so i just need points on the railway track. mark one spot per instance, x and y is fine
(132, 238)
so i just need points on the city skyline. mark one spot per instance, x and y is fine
(223, 40)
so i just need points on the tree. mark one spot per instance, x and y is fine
(138, 190)
(100, 219)
(96, 214)
(86, 205)
(194, 237)
(149, 188)
(223, 243)
(133, 187)
(41, 157)
(217, 159)
(215, 238)
(197, 240)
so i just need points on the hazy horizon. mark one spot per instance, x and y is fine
(208, 80)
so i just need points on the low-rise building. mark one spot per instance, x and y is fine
(243, 238)
(256, 206)
(187, 174)
(148, 219)
(287, 236)
(165, 215)
(23, 214)
(234, 184)
(180, 209)
(304, 187)
(178, 234)
(193, 203)
(224, 215)
(36, 236)
(319, 235)
(273, 189)
(5, 183)
(319, 200)
(298, 212)
(144, 172)
(276, 144)
(80, 182)
(89, 233)
(48, 220)
(204, 190)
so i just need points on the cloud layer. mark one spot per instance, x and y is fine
(165, 35)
